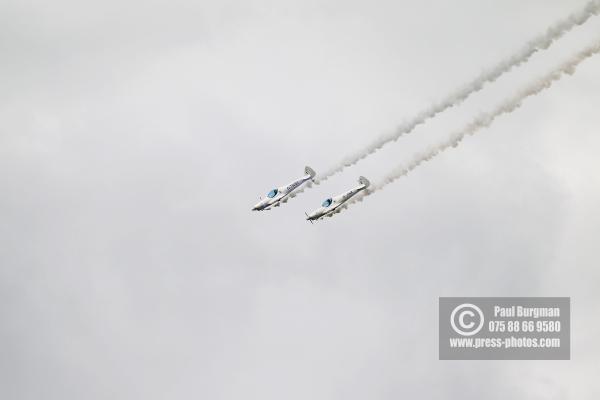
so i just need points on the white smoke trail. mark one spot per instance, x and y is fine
(541, 42)
(485, 119)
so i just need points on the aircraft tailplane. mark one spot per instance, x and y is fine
(364, 181)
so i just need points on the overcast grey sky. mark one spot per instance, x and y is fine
(136, 136)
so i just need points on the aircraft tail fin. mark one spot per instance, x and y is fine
(364, 181)
(309, 171)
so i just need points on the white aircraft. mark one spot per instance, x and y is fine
(332, 205)
(277, 195)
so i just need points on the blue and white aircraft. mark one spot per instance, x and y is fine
(332, 205)
(278, 195)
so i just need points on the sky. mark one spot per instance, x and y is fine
(135, 137)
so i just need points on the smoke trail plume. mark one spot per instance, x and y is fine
(541, 42)
(486, 119)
